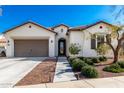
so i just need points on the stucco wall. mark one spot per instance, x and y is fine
(83, 38)
(24, 32)
(78, 38)
(59, 36)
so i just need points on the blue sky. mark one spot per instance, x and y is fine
(52, 15)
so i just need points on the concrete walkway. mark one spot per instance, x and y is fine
(112, 82)
(63, 71)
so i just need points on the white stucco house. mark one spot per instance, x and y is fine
(31, 39)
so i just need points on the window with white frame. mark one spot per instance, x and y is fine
(96, 40)
(100, 40)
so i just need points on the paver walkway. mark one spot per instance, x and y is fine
(63, 71)
(112, 82)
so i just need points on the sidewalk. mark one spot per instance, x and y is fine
(112, 82)
(63, 71)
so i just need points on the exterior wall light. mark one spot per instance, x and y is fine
(51, 41)
(8, 42)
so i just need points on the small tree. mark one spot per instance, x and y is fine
(102, 49)
(114, 34)
(74, 49)
(117, 33)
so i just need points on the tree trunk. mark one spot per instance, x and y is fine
(115, 57)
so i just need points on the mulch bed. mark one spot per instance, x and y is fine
(42, 73)
(102, 74)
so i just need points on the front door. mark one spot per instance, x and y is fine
(62, 47)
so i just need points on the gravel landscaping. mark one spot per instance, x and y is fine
(43, 73)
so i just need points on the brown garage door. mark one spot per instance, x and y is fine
(31, 48)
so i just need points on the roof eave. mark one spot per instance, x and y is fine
(27, 23)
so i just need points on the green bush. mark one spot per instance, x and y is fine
(74, 49)
(89, 71)
(75, 60)
(115, 68)
(82, 58)
(77, 65)
(103, 58)
(89, 61)
(71, 60)
(95, 60)
(121, 63)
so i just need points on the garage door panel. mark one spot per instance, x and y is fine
(31, 48)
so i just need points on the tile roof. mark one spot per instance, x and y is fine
(87, 26)
(31, 23)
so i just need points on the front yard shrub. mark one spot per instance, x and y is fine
(75, 60)
(121, 63)
(71, 60)
(115, 68)
(89, 72)
(89, 61)
(95, 60)
(103, 58)
(74, 49)
(76, 66)
(82, 58)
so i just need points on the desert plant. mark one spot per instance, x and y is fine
(71, 59)
(102, 49)
(121, 63)
(74, 49)
(82, 58)
(89, 61)
(115, 68)
(95, 60)
(102, 58)
(76, 60)
(89, 71)
(76, 66)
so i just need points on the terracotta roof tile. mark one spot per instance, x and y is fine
(87, 26)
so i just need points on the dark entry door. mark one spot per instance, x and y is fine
(62, 47)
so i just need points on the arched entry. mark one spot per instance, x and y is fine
(62, 47)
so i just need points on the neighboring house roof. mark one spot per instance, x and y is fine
(60, 25)
(88, 26)
(31, 23)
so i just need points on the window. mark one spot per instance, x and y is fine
(109, 36)
(61, 30)
(93, 41)
(100, 40)
(96, 41)
(29, 26)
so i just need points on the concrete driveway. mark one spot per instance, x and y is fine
(14, 69)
